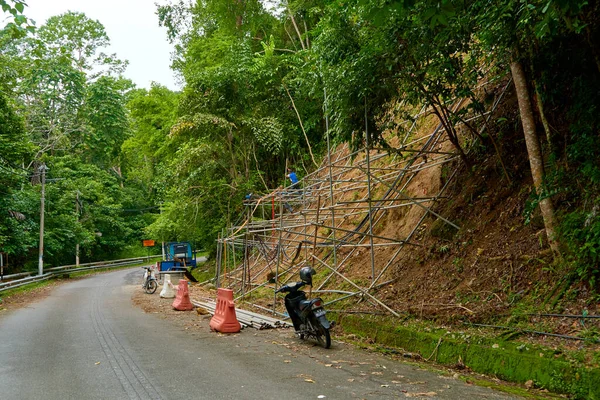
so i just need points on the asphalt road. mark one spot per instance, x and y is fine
(87, 341)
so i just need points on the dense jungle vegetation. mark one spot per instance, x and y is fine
(261, 84)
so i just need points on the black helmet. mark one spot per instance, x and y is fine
(306, 274)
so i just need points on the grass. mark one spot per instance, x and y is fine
(24, 289)
(490, 354)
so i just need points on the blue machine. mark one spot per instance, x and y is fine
(179, 257)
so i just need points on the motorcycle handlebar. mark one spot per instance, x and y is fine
(288, 288)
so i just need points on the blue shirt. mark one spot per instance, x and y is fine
(293, 177)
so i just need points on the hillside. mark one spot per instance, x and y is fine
(496, 268)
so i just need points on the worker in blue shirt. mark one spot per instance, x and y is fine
(293, 178)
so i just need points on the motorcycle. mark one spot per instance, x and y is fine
(308, 316)
(149, 283)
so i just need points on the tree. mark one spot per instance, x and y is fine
(75, 121)
(63, 89)
(75, 38)
(512, 30)
(535, 154)
(107, 121)
(16, 205)
(152, 114)
(52, 95)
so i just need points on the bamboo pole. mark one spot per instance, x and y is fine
(359, 288)
(369, 198)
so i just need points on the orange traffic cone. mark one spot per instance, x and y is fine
(224, 320)
(182, 300)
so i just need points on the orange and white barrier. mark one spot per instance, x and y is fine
(182, 300)
(224, 320)
(168, 291)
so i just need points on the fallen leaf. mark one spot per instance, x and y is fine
(287, 361)
(421, 394)
(309, 381)
(328, 365)
(385, 385)
(529, 384)
(376, 373)
(351, 380)
(98, 363)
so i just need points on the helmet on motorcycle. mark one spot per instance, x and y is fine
(306, 274)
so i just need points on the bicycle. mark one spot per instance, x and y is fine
(150, 283)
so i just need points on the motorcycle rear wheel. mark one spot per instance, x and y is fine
(322, 335)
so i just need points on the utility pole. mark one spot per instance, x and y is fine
(77, 245)
(43, 170)
(162, 244)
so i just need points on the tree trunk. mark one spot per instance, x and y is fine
(540, 107)
(238, 17)
(533, 149)
(296, 28)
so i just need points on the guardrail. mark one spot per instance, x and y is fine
(30, 278)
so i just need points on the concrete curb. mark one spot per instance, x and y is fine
(506, 360)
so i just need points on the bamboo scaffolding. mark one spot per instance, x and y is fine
(325, 210)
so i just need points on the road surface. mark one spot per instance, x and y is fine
(88, 341)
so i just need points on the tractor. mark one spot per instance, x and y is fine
(179, 257)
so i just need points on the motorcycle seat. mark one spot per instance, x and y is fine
(304, 303)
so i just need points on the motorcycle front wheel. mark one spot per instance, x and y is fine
(151, 286)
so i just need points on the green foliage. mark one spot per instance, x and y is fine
(258, 87)
(52, 107)
(20, 25)
(581, 233)
(106, 116)
(268, 132)
(152, 114)
(16, 231)
(568, 72)
(62, 105)
(101, 226)
(78, 40)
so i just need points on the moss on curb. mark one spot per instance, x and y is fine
(505, 360)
